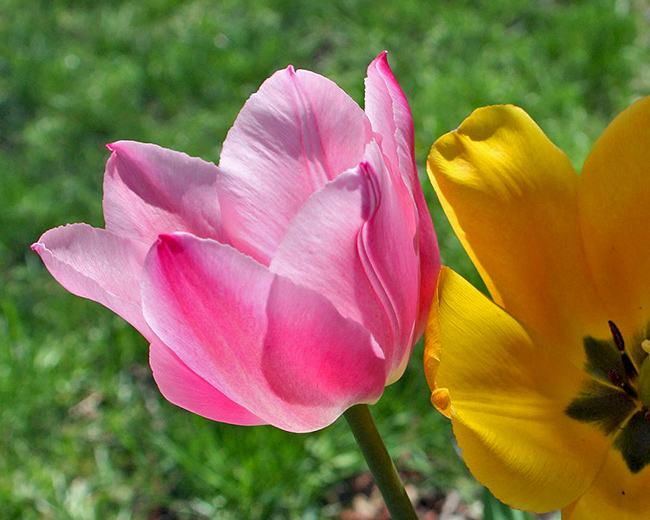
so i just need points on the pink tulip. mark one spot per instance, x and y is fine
(284, 285)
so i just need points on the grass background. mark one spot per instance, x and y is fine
(84, 432)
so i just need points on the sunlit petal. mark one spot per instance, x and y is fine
(281, 351)
(614, 198)
(150, 190)
(508, 392)
(98, 265)
(390, 116)
(299, 131)
(511, 197)
(185, 388)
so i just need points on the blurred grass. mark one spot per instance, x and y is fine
(85, 434)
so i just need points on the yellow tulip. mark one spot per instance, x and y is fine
(547, 384)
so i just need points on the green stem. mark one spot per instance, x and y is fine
(380, 464)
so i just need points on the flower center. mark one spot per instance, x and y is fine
(617, 398)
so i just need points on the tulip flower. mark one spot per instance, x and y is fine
(284, 285)
(547, 384)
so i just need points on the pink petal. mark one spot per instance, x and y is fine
(297, 132)
(261, 341)
(313, 357)
(149, 190)
(98, 265)
(353, 243)
(320, 250)
(390, 116)
(183, 387)
(429, 262)
(388, 246)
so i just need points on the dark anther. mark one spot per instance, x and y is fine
(615, 377)
(618, 337)
(630, 370)
(646, 414)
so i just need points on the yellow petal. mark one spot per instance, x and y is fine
(511, 197)
(439, 396)
(615, 493)
(614, 195)
(508, 393)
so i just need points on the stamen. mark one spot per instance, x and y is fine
(615, 377)
(630, 369)
(618, 337)
(617, 399)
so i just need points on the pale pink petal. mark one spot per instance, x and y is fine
(353, 242)
(149, 190)
(299, 131)
(98, 265)
(389, 113)
(280, 351)
(320, 250)
(183, 387)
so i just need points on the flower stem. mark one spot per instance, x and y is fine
(380, 464)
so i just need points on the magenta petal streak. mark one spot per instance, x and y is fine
(280, 350)
(187, 389)
(284, 285)
(390, 115)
